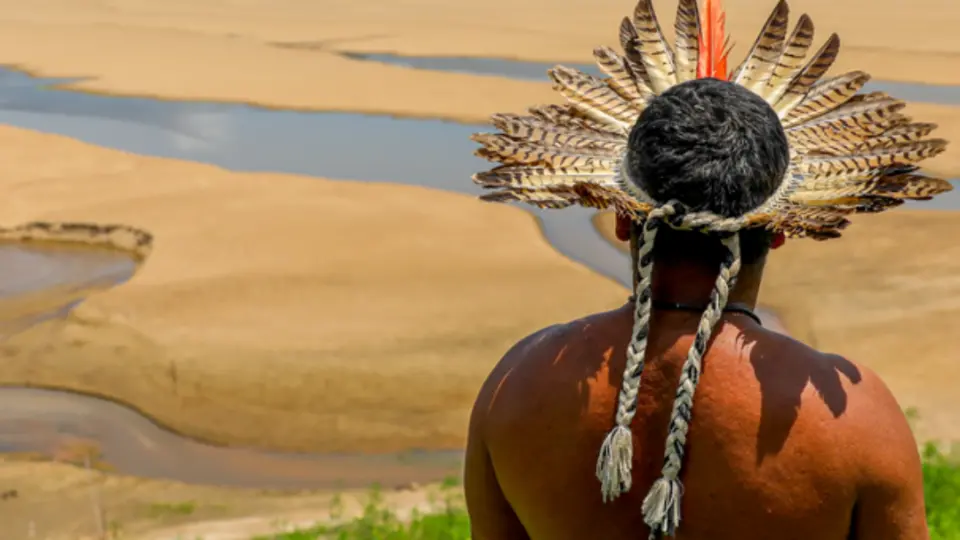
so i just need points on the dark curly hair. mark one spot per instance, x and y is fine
(712, 145)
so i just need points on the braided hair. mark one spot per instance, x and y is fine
(711, 151)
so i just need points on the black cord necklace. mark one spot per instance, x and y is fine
(677, 306)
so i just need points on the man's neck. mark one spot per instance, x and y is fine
(692, 284)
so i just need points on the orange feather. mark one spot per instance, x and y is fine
(713, 44)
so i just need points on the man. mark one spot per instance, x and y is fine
(787, 442)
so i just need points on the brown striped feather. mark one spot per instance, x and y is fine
(854, 200)
(630, 42)
(894, 182)
(593, 97)
(870, 97)
(503, 149)
(875, 159)
(855, 119)
(686, 45)
(790, 61)
(540, 199)
(800, 221)
(521, 176)
(536, 130)
(569, 116)
(763, 56)
(896, 136)
(826, 97)
(811, 72)
(622, 79)
(797, 232)
(656, 55)
(899, 135)
(583, 193)
(911, 186)
(869, 204)
(601, 196)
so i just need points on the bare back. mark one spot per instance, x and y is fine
(785, 441)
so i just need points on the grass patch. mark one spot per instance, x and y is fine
(941, 487)
(169, 509)
(451, 482)
(446, 520)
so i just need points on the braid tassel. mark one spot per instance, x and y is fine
(661, 507)
(615, 461)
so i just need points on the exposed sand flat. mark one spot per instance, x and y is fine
(886, 295)
(925, 48)
(279, 52)
(288, 312)
(178, 64)
(283, 52)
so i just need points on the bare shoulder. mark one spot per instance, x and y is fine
(536, 362)
(885, 463)
(789, 371)
(874, 419)
(837, 400)
(854, 404)
(837, 413)
(878, 426)
(845, 387)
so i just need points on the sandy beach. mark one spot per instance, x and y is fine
(256, 320)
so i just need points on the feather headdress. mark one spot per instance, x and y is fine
(849, 153)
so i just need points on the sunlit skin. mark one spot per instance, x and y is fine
(786, 442)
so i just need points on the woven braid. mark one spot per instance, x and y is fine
(615, 462)
(661, 507)
(616, 455)
(708, 222)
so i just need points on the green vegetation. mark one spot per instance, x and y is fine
(165, 509)
(380, 524)
(941, 486)
(447, 521)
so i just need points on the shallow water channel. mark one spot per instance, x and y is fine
(42, 283)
